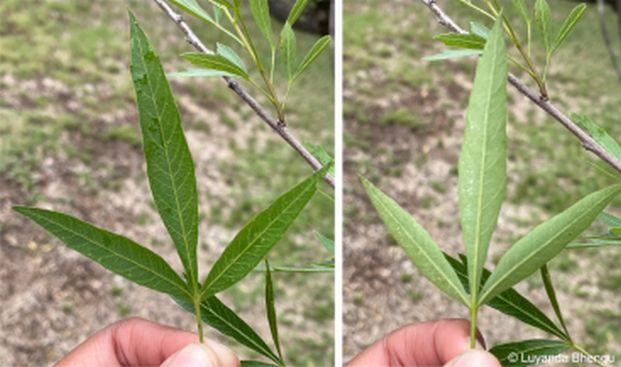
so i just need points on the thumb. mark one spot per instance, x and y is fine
(209, 354)
(472, 358)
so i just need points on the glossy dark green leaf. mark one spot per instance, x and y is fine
(510, 302)
(260, 10)
(296, 11)
(170, 167)
(483, 157)
(116, 253)
(453, 54)
(543, 20)
(568, 25)
(417, 243)
(217, 315)
(312, 54)
(215, 62)
(544, 242)
(259, 235)
(270, 308)
(527, 352)
(599, 134)
(462, 40)
(288, 44)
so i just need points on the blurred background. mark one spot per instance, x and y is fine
(404, 120)
(70, 140)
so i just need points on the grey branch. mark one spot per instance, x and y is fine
(587, 141)
(280, 128)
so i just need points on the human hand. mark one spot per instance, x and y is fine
(138, 342)
(429, 344)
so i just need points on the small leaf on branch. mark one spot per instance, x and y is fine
(215, 62)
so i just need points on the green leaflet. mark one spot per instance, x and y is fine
(510, 302)
(312, 54)
(525, 353)
(599, 134)
(462, 40)
(270, 308)
(480, 30)
(170, 167)
(610, 219)
(568, 25)
(543, 20)
(231, 55)
(545, 241)
(549, 286)
(116, 253)
(453, 54)
(224, 3)
(192, 73)
(326, 242)
(287, 41)
(215, 62)
(259, 235)
(416, 242)
(523, 9)
(296, 11)
(482, 162)
(217, 315)
(192, 7)
(322, 156)
(261, 13)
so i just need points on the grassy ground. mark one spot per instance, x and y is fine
(404, 121)
(69, 139)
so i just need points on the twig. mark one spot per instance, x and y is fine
(276, 125)
(601, 12)
(587, 141)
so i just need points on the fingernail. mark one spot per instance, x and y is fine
(474, 358)
(192, 355)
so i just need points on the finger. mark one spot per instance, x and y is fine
(135, 342)
(477, 358)
(209, 354)
(424, 344)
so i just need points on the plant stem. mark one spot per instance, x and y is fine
(199, 320)
(473, 326)
(583, 351)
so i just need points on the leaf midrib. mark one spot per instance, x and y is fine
(206, 286)
(191, 266)
(536, 251)
(475, 262)
(43, 218)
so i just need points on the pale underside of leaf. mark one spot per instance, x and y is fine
(417, 243)
(544, 242)
(482, 162)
